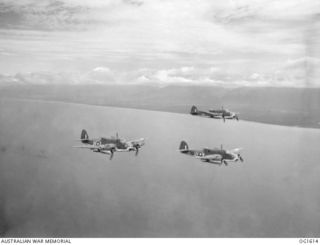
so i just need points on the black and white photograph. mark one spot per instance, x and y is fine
(160, 119)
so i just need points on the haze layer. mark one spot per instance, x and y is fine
(50, 189)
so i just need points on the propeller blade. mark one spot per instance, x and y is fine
(111, 154)
(241, 159)
(224, 119)
(137, 151)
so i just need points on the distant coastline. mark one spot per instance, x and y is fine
(278, 106)
(134, 108)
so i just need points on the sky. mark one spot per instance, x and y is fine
(224, 43)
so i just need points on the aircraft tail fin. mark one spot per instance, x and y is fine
(183, 146)
(84, 136)
(194, 110)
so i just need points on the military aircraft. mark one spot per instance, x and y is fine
(215, 156)
(109, 145)
(221, 113)
(225, 114)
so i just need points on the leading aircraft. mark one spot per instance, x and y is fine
(109, 145)
(215, 156)
(220, 113)
(225, 114)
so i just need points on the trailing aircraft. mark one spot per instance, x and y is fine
(220, 113)
(215, 156)
(109, 145)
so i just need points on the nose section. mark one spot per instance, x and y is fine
(240, 158)
(236, 157)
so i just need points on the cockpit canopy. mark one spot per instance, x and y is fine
(104, 141)
(208, 151)
(123, 141)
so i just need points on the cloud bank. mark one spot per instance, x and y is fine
(300, 72)
(250, 42)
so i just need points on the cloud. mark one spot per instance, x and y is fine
(304, 71)
(167, 76)
(61, 14)
(47, 15)
(181, 41)
(255, 76)
(143, 79)
(304, 62)
(43, 78)
(249, 15)
(300, 72)
(99, 75)
(102, 69)
(188, 75)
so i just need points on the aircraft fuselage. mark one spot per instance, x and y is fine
(225, 155)
(119, 144)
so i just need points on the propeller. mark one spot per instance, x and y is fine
(111, 153)
(137, 150)
(224, 119)
(225, 162)
(241, 159)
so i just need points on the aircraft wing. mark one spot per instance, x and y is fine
(92, 147)
(107, 146)
(216, 115)
(136, 142)
(106, 152)
(212, 114)
(213, 157)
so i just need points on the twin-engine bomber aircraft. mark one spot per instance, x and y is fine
(109, 145)
(215, 156)
(221, 113)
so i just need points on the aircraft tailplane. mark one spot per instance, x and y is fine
(84, 136)
(194, 110)
(183, 146)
